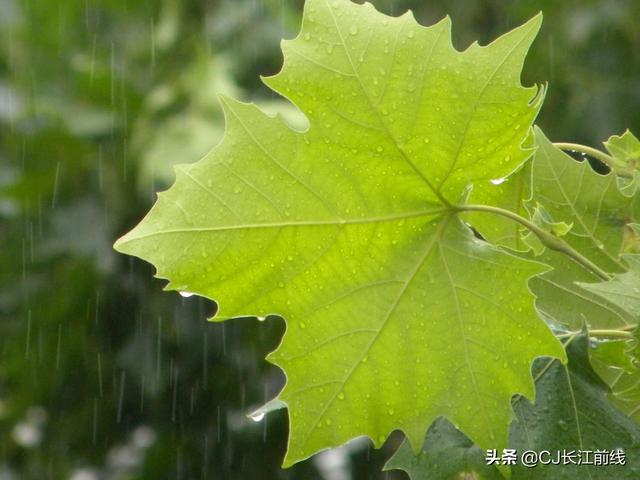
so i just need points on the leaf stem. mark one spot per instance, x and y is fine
(604, 333)
(548, 239)
(619, 167)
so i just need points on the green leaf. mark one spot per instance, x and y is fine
(623, 289)
(632, 237)
(625, 384)
(626, 393)
(625, 149)
(573, 192)
(617, 362)
(447, 453)
(612, 354)
(572, 412)
(625, 153)
(542, 219)
(346, 229)
(560, 299)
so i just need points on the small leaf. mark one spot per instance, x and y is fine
(625, 149)
(543, 219)
(560, 298)
(626, 393)
(624, 289)
(614, 354)
(617, 362)
(574, 193)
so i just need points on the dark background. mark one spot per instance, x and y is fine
(103, 375)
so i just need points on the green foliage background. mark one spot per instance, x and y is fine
(99, 369)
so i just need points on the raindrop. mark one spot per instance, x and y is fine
(258, 416)
(100, 375)
(123, 377)
(353, 30)
(28, 342)
(218, 424)
(95, 420)
(186, 294)
(142, 385)
(56, 178)
(58, 346)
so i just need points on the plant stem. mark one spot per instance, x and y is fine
(593, 152)
(610, 334)
(604, 333)
(619, 167)
(548, 239)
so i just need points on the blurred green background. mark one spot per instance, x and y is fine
(103, 375)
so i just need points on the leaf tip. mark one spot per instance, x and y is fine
(536, 21)
(117, 245)
(225, 100)
(120, 245)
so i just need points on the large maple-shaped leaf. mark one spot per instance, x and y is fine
(395, 313)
